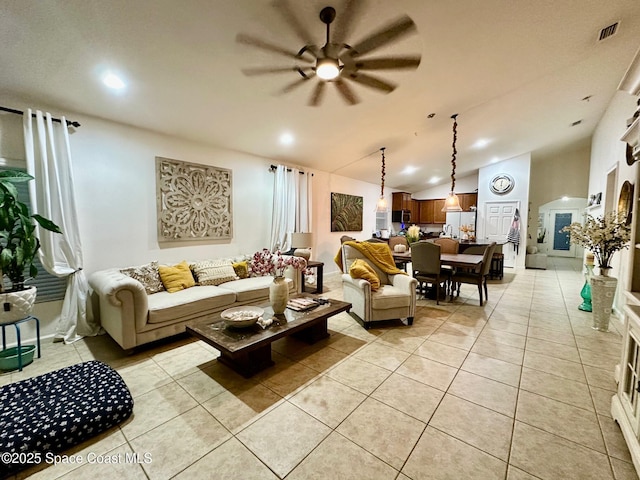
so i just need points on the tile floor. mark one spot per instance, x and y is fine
(518, 389)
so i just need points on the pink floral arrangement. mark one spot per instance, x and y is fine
(265, 262)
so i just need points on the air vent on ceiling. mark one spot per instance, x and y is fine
(608, 32)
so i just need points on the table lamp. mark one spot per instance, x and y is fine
(301, 243)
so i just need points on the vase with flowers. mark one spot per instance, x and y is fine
(603, 236)
(467, 232)
(266, 262)
(413, 234)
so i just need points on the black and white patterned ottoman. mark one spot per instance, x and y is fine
(57, 410)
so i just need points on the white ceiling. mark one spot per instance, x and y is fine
(516, 72)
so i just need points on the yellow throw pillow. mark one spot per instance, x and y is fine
(242, 269)
(177, 277)
(361, 269)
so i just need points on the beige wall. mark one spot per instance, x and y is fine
(607, 153)
(556, 175)
(114, 170)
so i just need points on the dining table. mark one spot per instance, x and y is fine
(457, 260)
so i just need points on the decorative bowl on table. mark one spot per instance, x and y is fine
(241, 317)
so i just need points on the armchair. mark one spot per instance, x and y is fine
(396, 297)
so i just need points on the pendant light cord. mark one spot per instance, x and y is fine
(453, 156)
(382, 174)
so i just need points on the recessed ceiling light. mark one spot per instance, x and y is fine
(481, 143)
(409, 169)
(434, 179)
(286, 139)
(565, 199)
(113, 81)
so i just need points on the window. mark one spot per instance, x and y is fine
(50, 287)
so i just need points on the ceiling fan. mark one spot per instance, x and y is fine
(336, 62)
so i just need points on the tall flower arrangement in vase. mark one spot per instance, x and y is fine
(603, 236)
(413, 234)
(265, 262)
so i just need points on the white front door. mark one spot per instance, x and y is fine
(498, 217)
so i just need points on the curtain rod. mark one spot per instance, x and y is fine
(272, 168)
(20, 112)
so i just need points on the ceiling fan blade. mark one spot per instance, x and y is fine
(401, 27)
(293, 85)
(387, 63)
(345, 19)
(346, 92)
(256, 42)
(372, 82)
(293, 21)
(249, 72)
(318, 92)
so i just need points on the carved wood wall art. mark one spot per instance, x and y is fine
(193, 201)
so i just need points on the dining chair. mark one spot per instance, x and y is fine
(475, 250)
(399, 240)
(425, 261)
(477, 277)
(448, 245)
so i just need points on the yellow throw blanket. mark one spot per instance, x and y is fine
(379, 254)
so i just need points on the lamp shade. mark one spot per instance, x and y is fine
(301, 240)
(452, 203)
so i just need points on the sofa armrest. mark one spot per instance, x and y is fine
(358, 283)
(123, 304)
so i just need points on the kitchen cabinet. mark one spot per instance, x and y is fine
(468, 200)
(401, 201)
(415, 212)
(438, 215)
(426, 211)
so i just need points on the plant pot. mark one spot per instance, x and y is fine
(17, 305)
(279, 295)
(603, 291)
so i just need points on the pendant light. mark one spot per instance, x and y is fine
(452, 203)
(382, 203)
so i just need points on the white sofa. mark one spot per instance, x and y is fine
(132, 317)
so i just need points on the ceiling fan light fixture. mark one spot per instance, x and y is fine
(327, 68)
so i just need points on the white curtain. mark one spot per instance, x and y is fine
(292, 201)
(52, 196)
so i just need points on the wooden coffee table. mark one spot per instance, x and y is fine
(248, 350)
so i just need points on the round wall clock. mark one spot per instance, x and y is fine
(502, 183)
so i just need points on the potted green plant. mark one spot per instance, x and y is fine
(18, 246)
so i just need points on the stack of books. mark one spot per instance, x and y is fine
(301, 304)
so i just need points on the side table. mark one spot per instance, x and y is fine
(16, 324)
(319, 266)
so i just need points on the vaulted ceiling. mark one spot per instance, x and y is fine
(519, 74)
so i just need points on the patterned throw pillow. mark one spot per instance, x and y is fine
(214, 272)
(241, 269)
(147, 275)
(177, 277)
